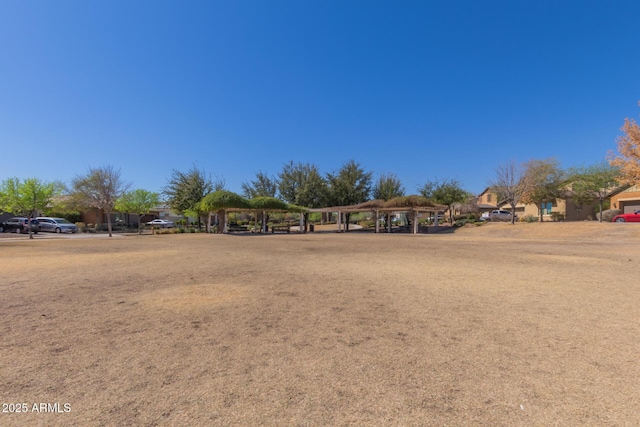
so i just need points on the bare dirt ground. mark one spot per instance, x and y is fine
(532, 324)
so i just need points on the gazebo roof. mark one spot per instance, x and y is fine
(404, 203)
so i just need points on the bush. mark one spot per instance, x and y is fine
(557, 216)
(467, 216)
(608, 215)
(367, 223)
(529, 218)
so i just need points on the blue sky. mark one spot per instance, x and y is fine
(424, 89)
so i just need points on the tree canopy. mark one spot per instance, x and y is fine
(387, 187)
(100, 188)
(446, 192)
(593, 182)
(628, 162)
(139, 202)
(301, 184)
(262, 186)
(546, 183)
(26, 197)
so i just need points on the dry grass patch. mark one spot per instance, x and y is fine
(533, 324)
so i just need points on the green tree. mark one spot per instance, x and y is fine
(349, 186)
(139, 202)
(387, 187)
(445, 192)
(262, 186)
(547, 183)
(99, 189)
(593, 182)
(185, 191)
(301, 184)
(26, 197)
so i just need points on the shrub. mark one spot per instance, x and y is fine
(557, 216)
(608, 215)
(468, 216)
(529, 218)
(367, 223)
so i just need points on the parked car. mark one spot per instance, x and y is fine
(628, 217)
(20, 225)
(497, 215)
(162, 223)
(56, 225)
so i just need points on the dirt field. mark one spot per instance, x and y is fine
(499, 325)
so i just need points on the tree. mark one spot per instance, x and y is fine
(138, 201)
(100, 188)
(593, 182)
(350, 185)
(262, 186)
(547, 183)
(26, 197)
(301, 184)
(386, 188)
(510, 184)
(185, 191)
(628, 162)
(446, 192)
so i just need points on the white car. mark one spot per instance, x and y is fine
(496, 215)
(161, 223)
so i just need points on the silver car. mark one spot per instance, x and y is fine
(56, 225)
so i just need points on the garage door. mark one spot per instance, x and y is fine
(631, 208)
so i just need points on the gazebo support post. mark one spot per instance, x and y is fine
(415, 222)
(301, 223)
(339, 220)
(264, 222)
(224, 226)
(389, 222)
(377, 222)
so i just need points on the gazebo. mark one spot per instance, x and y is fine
(412, 205)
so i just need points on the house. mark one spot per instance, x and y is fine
(487, 200)
(627, 198)
(561, 208)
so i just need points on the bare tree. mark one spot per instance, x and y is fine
(511, 183)
(100, 188)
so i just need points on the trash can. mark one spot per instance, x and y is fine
(311, 228)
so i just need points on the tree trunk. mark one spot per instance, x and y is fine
(540, 210)
(346, 220)
(513, 214)
(600, 203)
(139, 223)
(29, 225)
(109, 222)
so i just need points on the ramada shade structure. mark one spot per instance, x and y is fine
(223, 201)
(410, 204)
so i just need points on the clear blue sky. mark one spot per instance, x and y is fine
(423, 89)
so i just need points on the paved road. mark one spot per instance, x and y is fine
(41, 235)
